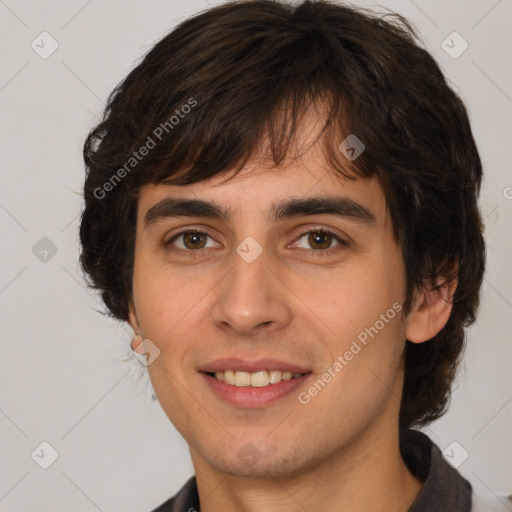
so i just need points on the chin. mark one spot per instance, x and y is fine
(249, 461)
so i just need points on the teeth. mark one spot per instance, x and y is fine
(242, 379)
(258, 379)
(275, 376)
(229, 377)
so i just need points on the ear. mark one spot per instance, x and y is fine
(431, 311)
(134, 324)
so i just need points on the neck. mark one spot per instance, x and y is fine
(370, 474)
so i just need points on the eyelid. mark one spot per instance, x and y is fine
(303, 230)
(343, 240)
(189, 229)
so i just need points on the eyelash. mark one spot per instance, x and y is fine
(316, 252)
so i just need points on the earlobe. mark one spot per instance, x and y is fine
(430, 312)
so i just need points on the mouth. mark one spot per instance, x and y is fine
(253, 384)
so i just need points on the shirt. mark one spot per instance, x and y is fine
(444, 489)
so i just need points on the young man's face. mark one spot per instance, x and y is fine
(259, 293)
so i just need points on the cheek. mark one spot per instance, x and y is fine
(363, 315)
(163, 296)
(167, 305)
(352, 299)
(169, 308)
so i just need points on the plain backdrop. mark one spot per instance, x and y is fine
(67, 376)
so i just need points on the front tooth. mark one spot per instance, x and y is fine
(275, 376)
(287, 375)
(229, 377)
(242, 379)
(259, 379)
(219, 376)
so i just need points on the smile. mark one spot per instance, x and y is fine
(257, 379)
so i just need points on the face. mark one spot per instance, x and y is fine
(280, 286)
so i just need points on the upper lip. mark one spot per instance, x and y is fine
(251, 366)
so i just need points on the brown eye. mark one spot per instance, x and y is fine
(188, 241)
(193, 240)
(319, 240)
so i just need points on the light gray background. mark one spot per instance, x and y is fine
(63, 379)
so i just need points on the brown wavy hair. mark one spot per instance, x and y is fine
(206, 97)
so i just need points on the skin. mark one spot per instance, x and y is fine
(338, 452)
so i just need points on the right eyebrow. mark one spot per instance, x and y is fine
(186, 208)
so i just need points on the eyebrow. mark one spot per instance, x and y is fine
(329, 205)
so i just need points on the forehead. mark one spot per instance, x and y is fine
(260, 187)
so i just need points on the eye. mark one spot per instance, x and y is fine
(188, 241)
(319, 240)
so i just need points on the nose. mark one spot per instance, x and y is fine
(251, 298)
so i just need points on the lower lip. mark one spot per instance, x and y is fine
(251, 397)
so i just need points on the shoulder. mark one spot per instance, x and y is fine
(185, 500)
(444, 488)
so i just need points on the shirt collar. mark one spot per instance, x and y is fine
(443, 486)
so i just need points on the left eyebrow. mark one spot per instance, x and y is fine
(329, 205)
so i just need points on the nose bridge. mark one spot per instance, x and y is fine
(251, 294)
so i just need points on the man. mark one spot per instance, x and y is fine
(281, 201)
